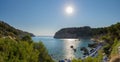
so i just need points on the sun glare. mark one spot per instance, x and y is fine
(69, 10)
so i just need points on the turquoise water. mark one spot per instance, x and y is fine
(60, 49)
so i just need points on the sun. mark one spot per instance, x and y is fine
(69, 10)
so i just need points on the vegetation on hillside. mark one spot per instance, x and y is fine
(86, 31)
(17, 46)
(8, 31)
(80, 32)
(111, 40)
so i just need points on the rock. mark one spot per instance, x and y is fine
(74, 50)
(82, 48)
(71, 46)
(93, 45)
(86, 52)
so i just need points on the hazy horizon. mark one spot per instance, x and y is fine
(45, 17)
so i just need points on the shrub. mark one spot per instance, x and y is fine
(23, 51)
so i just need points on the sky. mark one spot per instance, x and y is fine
(45, 17)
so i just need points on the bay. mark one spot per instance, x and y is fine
(60, 49)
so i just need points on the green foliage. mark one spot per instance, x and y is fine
(106, 49)
(27, 38)
(98, 58)
(111, 36)
(113, 31)
(76, 60)
(43, 55)
(115, 43)
(115, 48)
(88, 59)
(17, 46)
(23, 51)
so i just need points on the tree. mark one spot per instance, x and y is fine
(23, 51)
(27, 38)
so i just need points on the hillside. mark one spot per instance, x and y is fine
(109, 36)
(79, 32)
(86, 31)
(8, 31)
(17, 46)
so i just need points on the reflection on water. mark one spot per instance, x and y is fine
(69, 52)
(63, 48)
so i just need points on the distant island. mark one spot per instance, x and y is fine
(81, 32)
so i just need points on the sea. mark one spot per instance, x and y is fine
(60, 49)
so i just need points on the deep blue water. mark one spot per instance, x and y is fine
(60, 48)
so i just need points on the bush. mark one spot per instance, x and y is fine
(23, 51)
(27, 38)
(76, 60)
